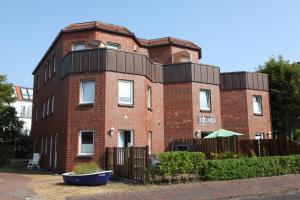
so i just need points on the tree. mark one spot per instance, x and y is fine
(284, 83)
(10, 125)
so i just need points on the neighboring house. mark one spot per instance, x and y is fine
(23, 106)
(99, 86)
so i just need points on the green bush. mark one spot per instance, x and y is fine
(226, 155)
(178, 163)
(86, 168)
(251, 167)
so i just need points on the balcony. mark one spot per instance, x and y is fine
(100, 60)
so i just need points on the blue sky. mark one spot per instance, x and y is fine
(233, 34)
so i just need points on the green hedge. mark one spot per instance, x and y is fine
(186, 165)
(251, 167)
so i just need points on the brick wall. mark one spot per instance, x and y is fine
(237, 112)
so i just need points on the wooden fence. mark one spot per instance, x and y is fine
(264, 147)
(128, 163)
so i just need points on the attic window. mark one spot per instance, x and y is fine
(77, 46)
(115, 46)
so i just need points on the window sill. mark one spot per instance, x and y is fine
(85, 156)
(205, 111)
(125, 105)
(86, 104)
(258, 114)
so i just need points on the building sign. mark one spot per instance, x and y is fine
(207, 120)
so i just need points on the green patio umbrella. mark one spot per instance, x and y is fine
(222, 133)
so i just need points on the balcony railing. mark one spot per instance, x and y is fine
(98, 60)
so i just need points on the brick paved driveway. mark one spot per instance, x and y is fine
(207, 190)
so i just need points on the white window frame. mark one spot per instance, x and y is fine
(150, 141)
(44, 109)
(120, 102)
(52, 103)
(209, 100)
(46, 145)
(112, 45)
(259, 136)
(259, 104)
(49, 70)
(79, 143)
(77, 43)
(54, 63)
(81, 92)
(149, 98)
(48, 106)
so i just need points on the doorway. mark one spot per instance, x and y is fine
(53, 151)
(125, 138)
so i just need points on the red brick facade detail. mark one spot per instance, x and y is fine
(174, 114)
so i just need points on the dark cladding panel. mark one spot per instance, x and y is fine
(236, 81)
(189, 72)
(181, 70)
(249, 80)
(197, 73)
(216, 75)
(266, 82)
(102, 60)
(228, 81)
(84, 61)
(210, 75)
(130, 65)
(120, 61)
(144, 65)
(204, 74)
(260, 81)
(93, 61)
(243, 79)
(222, 82)
(111, 60)
(153, 73)
(148, 68)
(173, 73)
(255, 81)
(159, 73)
(76, 62)
(138, 64)
(166, 70)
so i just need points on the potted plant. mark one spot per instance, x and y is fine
(87, 174)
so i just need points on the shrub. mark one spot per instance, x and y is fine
(86, 168)
(226, 155)
(178, 163)
(251, 167)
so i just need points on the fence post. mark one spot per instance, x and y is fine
(131, 164)
(147, 156)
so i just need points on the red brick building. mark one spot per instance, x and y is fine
(99, 86)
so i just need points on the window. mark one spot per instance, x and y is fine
(49, 70)
(37, 84)
(25, 94)
(48, 106)
(86, 143)
(259, 136)
(23, 111)
(149, 98)
(46, 145)
(78, 46)
(30, 92)
(36, 114)
(111, 45)
(42, 146)
(205, 100)
(52, 103)
(54, 64)
(44, 109)
(125, 138)
(150, 142)
(87, 92)
(257, 108)
(125, 92)
(45, 74)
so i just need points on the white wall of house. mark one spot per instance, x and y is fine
(24, 112)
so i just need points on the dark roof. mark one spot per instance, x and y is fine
(97, 25)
